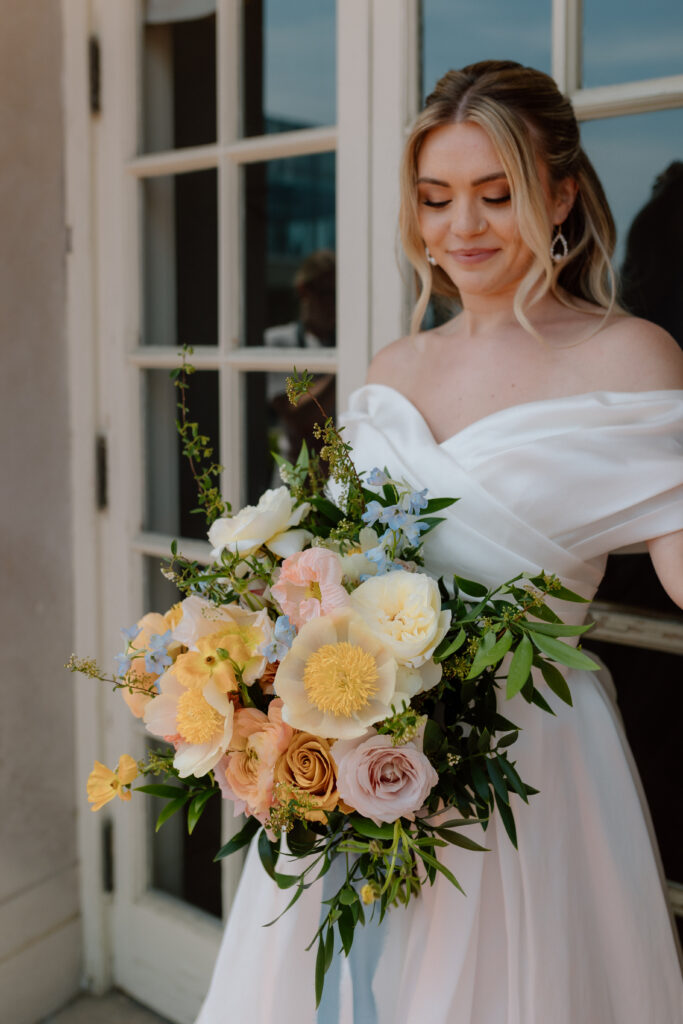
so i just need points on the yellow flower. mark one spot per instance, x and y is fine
(196, 668)
(368, 893)
(104, 784)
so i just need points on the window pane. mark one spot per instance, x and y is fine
(178, 79)
(180, 216)
(274, 425)
(289, 59)
(646, 144)
(182, 865)
(170, 489)
(471, 30)
(290, 238)
(627, 42)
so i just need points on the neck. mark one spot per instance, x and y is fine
(489, 314)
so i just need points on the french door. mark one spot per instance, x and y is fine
(232, 185)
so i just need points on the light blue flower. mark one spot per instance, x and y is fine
(377, 478)
(378, 555)
(373, 513)
(415, 502)
(412, 530)
(283, 637)
(131, 633)
(394, 517)
(123, 661)
(156, 658)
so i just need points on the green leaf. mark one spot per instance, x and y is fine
(510, 773)
(481, 786)
(566, 655)
(319, 972)
(450, 648)
(346, 924)
(437, 504)
(329, 948)
(326, 508)
(556, 682)
(556, 628)
(428, 859)
(168, 792)
(194, 811)
(470, 587)
(457, 839)
(268, 852)
(243, 837)
(508, 740)
(367, 828)
(539, 700)
(170, 809)
(347, 896)
(520, 667)
(508, 820)
(490, 652)
(497, 780)
(432, 738)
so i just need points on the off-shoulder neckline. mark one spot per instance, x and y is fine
(612, 398)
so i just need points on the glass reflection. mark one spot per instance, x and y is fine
(178, 74)
(627, 42)
(289, 65)
(274, 425)
(290, 239)
(643, 145)
(457, 34)
(180, 253)
(170, 489)
(182, 865)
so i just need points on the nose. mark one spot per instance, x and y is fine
(466, 219)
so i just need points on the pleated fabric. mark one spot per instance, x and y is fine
(573, 927)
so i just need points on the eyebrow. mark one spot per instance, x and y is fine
(495, 176)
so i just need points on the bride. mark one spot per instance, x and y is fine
(558, 420)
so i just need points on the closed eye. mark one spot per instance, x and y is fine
(498, 200)
(436, 206)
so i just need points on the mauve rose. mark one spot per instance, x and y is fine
(380, 781)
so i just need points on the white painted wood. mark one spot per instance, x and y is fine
(394, 40)
(629, 97)
(254, 357)
(354, 281)
(80, 328)
(653, 631)
(566, 44)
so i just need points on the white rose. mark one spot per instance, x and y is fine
(404, 610)
(270, 523)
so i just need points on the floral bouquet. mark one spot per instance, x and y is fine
(343, 700)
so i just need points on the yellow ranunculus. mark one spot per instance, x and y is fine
(104, 784)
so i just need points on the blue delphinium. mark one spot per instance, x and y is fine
(156, 656)
(415, 502)
(377, 478)
(283, 637)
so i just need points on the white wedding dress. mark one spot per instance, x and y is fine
(572, 928)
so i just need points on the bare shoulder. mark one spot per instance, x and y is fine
(395, 364)
(637, 355)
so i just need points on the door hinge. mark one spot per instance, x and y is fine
(101, 490)
(108, 855)
(94, 60)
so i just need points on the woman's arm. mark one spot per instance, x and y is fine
(667, 557)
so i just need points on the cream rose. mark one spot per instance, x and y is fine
(404, 610)
(271, 522)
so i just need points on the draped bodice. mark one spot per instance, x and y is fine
(554, 484)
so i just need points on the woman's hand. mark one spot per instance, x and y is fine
(666, 553)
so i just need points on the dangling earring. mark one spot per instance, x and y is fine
(558, 239)
(430, 258)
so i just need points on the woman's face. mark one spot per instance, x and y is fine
(465, 212)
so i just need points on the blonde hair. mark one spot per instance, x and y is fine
(525, 116)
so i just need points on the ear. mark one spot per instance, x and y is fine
(565, 194)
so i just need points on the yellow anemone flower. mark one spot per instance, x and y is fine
(104, 784)
(195, 669)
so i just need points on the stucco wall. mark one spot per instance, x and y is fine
(39, 924)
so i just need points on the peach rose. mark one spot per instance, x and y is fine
(257, 742)
(309, 585)
(308, 766)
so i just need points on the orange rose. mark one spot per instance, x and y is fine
(307, 765)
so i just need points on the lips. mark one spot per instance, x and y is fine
(469, 256)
